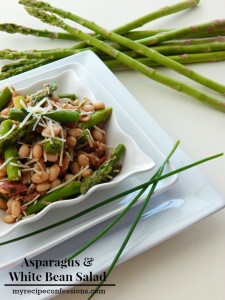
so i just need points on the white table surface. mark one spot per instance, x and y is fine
(190, 265)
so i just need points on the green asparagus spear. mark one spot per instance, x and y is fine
(18, 64)
(16, 134)
(207, 27)
(69, 190)
(17, 114)
(43, 54)
(64, 116)
(24, 68)
(53, 147)
(47, 91)
(70, 96)
(105, 169)
(197, 34)
(164, 11)
(115, 64)
(14, 28)
(97, 117)
(133, 35)
(10, 152)
(5, 127)
(5, 97)
(12, 171)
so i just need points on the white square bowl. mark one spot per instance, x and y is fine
(134, 160)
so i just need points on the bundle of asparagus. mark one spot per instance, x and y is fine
(138, 50)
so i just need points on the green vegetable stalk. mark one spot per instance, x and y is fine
(142, 34)
(12, 171)
(105, 169)
(16, 134)
(5, 97)
(66, 95)
(17, 114)
(97, 118)
(53, 147)
(21, 63)
(5, 127)
(10, 152)
(69, 190)
(64, 116)
(115, 64)
(14, 28)
(47, 91)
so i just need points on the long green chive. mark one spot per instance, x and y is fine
(111, 199)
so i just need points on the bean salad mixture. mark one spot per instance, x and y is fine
(52, 147)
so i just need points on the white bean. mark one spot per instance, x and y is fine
(88, 107)
(39, 177)
(47, 132)
(75, 168)
(97, 135)
(43, 187)
(86, 173)
(68, 176)
(75, 132)
(83, 160)
(9, 202)
(15, 208)
(55, 183)
(71, 141)
(99, 105)
(24, 151)
(9, 219)
(54, 172)
(40, 165)
(37, 151)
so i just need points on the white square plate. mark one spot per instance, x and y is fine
(95, 88)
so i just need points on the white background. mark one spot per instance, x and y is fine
(190, 265)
